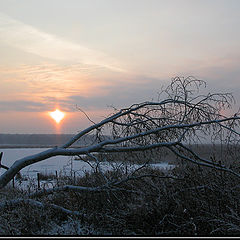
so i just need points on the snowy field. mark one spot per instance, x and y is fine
(64, 165)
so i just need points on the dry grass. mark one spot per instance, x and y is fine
(138, 157)
(202, 202)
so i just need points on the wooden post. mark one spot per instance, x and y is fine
(57, 177)
(1, 165)
(13, 182)
(38, 180)
(1, 154)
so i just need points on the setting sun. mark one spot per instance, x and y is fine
(57, 115)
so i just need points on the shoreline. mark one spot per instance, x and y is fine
(32, 146)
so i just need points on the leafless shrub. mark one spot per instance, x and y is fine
(144, 200)
(180, 115)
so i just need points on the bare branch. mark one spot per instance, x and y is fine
(183, 115)
(204, 162)
(16, 202)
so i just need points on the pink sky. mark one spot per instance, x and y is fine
(98, 54)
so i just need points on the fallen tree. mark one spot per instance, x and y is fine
(180, 116)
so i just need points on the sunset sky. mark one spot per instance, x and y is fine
(94, 54)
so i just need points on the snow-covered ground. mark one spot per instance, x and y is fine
(64, 165)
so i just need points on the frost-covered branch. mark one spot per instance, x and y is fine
(110, 186)
(17, 202)
(180, 115)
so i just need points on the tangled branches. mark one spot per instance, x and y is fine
(181, 115)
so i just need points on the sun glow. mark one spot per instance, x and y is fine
(57, 115)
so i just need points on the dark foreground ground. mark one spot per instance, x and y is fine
(186, 201)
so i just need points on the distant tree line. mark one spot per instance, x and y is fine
(40, 139)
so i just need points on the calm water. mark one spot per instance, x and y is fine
(62, 164)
